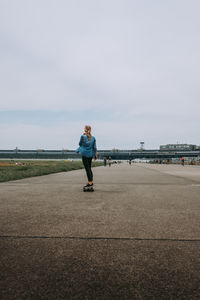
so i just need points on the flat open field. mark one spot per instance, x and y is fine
(15, 169)
(136, 237)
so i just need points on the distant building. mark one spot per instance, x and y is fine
(183, 147)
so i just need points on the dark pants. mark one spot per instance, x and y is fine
(87, 162)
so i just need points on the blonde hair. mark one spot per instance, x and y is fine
(88, 131)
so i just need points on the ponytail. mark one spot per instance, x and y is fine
(88, 131)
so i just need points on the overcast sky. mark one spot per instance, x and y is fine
(129, 68)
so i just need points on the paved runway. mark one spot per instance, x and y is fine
(136, 237)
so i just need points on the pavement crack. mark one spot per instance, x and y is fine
(97, 238)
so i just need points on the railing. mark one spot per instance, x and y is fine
(119, 155)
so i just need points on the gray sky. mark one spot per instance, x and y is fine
(131, 69)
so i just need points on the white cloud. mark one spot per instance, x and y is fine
(133, 58)
(122, 135)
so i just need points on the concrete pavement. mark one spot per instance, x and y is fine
(136, 237)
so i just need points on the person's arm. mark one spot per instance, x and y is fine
(95, 148)
(81, 140)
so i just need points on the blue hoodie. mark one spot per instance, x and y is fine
(87, 147)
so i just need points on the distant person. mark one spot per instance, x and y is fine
(88, 150)
(183, 161)
(109, 161)
(130, 161)
(105, 161)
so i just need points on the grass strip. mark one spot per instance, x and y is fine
(14, 170)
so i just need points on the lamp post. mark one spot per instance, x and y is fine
(141, 145)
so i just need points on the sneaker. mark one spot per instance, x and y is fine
(88, 185)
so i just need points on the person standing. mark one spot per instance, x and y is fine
(183, 161)
(104, 161)
(109, 161)
(88, 150)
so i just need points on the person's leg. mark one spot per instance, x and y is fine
(87, 161)
(90, 179)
